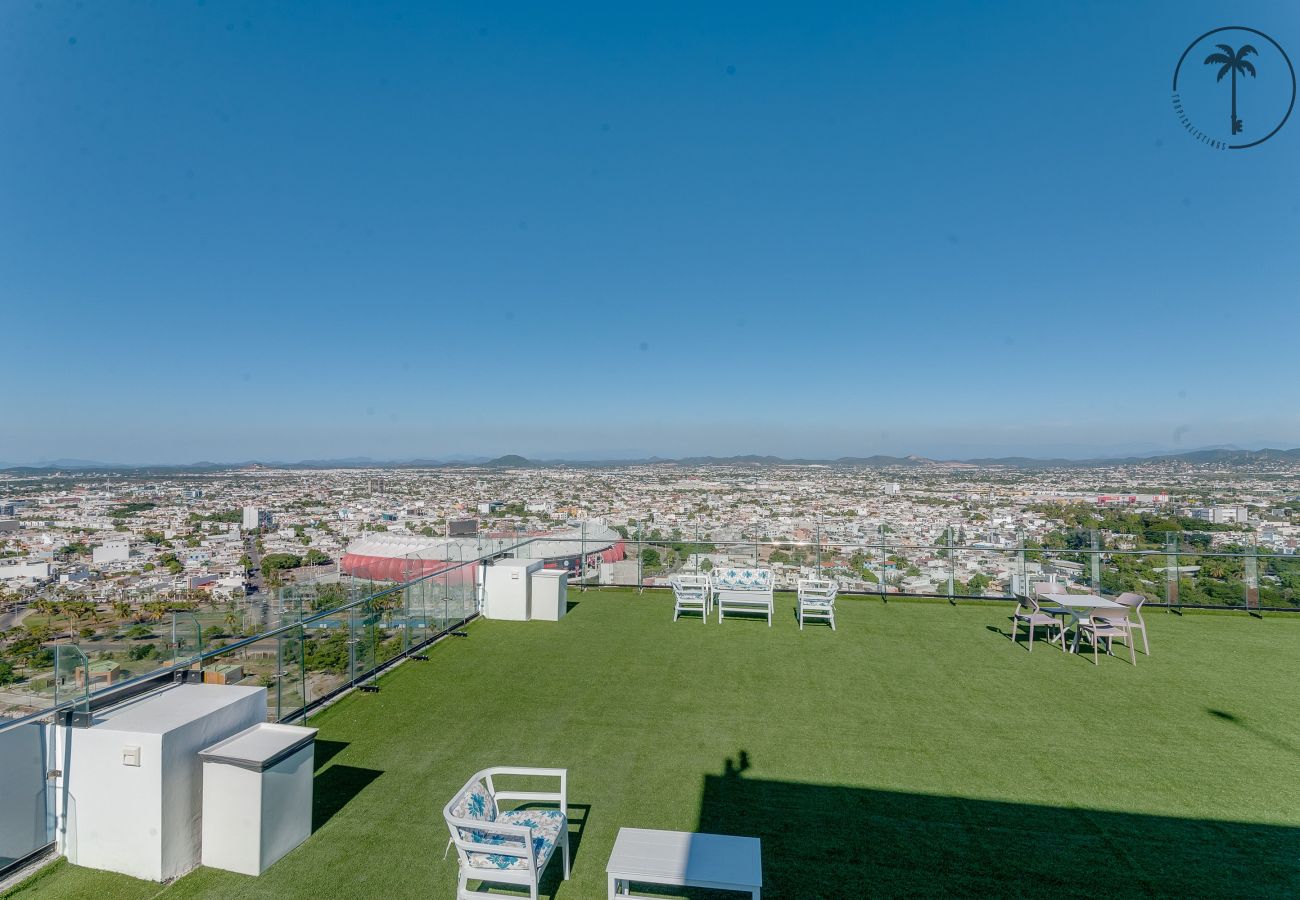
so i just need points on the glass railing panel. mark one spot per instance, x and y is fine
(416, 613)
(365, 620)
(132, 647)
(222, 624)
(858, 568)
(1066, 567)
(72, 677)
(987, 571)
(1209, 579)
(1133, 571)
(1250, 577)
(327, 655)
(28, 682)
(1279, 580)
(916, 570)
(290, 678)
(26, 820)
(186, 637)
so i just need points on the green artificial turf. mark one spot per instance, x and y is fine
(915, 751)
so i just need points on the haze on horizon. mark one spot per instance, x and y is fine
(390, 230)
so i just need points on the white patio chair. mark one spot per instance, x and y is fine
(1029, 614)
(1044, 591)
(817, 600)
(1106, 624)
(692, 594)
(507, 846)
(1134, 602)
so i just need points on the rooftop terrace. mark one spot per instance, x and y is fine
(915, 751)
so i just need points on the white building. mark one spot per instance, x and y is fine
(111, 552)
(255, 518)
(27, 569)
(1221, 515)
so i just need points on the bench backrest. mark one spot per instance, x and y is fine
(730, 579)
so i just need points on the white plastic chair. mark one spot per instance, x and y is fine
(692, 594)
(1045, 591)
(817, 600)
(510, 846)
(1134, 602)
(1107, 624)
(1029, 614)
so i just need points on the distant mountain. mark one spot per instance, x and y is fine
(509, 461)
(1226, 456)
(70, 464)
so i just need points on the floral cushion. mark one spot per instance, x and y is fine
(546, 825)
(475, 803)
(743, 579)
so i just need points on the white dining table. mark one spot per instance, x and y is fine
(1079, 606)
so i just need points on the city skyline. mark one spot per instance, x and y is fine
(394, 231)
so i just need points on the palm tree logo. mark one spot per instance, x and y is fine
(1231, 61)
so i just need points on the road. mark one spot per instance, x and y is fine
(13, 618)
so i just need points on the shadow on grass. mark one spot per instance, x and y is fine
(335, 788)
(1255, 731)
(327, 750)
(830, 841)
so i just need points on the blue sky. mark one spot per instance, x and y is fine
(243, 230)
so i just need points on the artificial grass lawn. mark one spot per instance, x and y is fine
(915, 751)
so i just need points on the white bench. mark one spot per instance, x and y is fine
(719, 861)
(744, 591)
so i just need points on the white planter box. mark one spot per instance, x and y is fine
(550, 594)
(257, 795)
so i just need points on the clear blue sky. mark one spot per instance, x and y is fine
(282, 231)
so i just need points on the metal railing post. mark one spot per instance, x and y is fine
(1096, 562)
(1171, 569)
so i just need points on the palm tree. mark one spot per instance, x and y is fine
(1231, 61)
(45, 607)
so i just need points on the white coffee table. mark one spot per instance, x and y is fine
(719, 861)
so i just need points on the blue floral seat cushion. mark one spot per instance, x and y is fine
(817, 601)
(547, 825)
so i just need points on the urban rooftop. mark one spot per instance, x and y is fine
(913, 750)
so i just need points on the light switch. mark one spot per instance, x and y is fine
(130, 756)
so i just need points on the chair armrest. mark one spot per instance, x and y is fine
(521, 847)
(523, 832)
